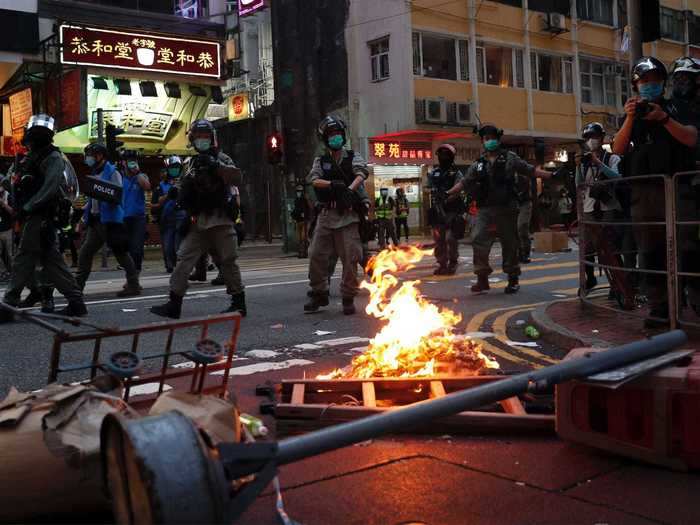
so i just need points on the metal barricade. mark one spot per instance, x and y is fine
(686, 240)
(197, 370)
(593, 232)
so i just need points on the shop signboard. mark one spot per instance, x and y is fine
(139, 51)
(239, 107)
(138, 123)
(396, 151)
(248, 7)
(20, 109)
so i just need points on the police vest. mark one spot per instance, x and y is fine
(383, 208)
(442, 179)
(498, 187)
(334, 171)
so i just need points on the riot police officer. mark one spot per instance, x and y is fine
(657, 136)
(492, 181)
(43, 198)
(446, 209)
(204, 194)
(337, 178)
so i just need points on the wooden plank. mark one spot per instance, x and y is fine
(296, 419)
(512, 405)
(298, 394)
(368, 397)
(437, 389)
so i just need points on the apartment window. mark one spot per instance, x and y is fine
(440, 57)
(550, 6)
(379, 58)
(694, 30)
(552, 73)
(672, 24)
(600, 11)
(500, 66)
(599, 84)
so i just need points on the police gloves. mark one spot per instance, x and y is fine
(338, 187)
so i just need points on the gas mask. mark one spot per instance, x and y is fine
(683, 86)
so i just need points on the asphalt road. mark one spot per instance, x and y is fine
(276, 291)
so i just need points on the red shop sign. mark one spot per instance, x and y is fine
(122, 50)
(388, 151)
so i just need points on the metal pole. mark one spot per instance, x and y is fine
(634, 17)
(297, 448)
(100, 126)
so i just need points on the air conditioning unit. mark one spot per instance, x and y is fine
(554, 23)
(464, 113)
(435, 111)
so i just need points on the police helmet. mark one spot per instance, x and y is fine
(646, 65)
(42, 120)
(593, 128)
(685, 65)
(172, 160)
(329, 124)
(448, 148)
(489, 129)
(96, 147)
(202, 125)
(130, 154)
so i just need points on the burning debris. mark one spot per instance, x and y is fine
(417, 339)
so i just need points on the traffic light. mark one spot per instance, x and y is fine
(274, 148)
(113, 145)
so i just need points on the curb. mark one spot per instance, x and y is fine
(560, 335)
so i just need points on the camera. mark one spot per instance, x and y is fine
(642, 109)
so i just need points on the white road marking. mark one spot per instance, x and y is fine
(261, 354)
(342, 341)
(148, 388)
(479, 335)
(264, 367)
(308, 346)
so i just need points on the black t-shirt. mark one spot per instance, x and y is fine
(654, 148)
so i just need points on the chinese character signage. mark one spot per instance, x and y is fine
(71, 90)
(247, 7)
(20, 109)
(389, 152)
(137, 123)
(238, 107)
(119, 49)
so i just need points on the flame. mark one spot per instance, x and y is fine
(417, 337)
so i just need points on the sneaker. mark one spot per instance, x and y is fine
(482, 284)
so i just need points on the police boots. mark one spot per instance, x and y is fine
(74, 309)
(482, 284)
(318, 299)
(349, 305)
(237, 305)
(172, 309)
(47, 304)
(31, 300)
(513, 284)
(130, 289)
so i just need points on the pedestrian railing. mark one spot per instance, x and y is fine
(650, 248)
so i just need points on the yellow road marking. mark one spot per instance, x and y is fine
(499, 328)
(567, 291)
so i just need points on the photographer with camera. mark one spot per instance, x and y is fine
(204, 194)
(658, 137)
(599, 202)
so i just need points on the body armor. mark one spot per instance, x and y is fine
(497, 188)
(334, 171)
(203, 191)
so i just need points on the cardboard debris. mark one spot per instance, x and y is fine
(219, 418)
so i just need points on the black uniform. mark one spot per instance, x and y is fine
(446, 215)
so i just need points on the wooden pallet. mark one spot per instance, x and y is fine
(309, 404)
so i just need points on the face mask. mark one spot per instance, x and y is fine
(491, 144)
(132, 165)
(683, 87)
(593, 144)
(336, 142)
(202, 144)
(651, 91)
(90, 160)
(173, 172)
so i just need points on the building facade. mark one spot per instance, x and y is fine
(425, 72)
